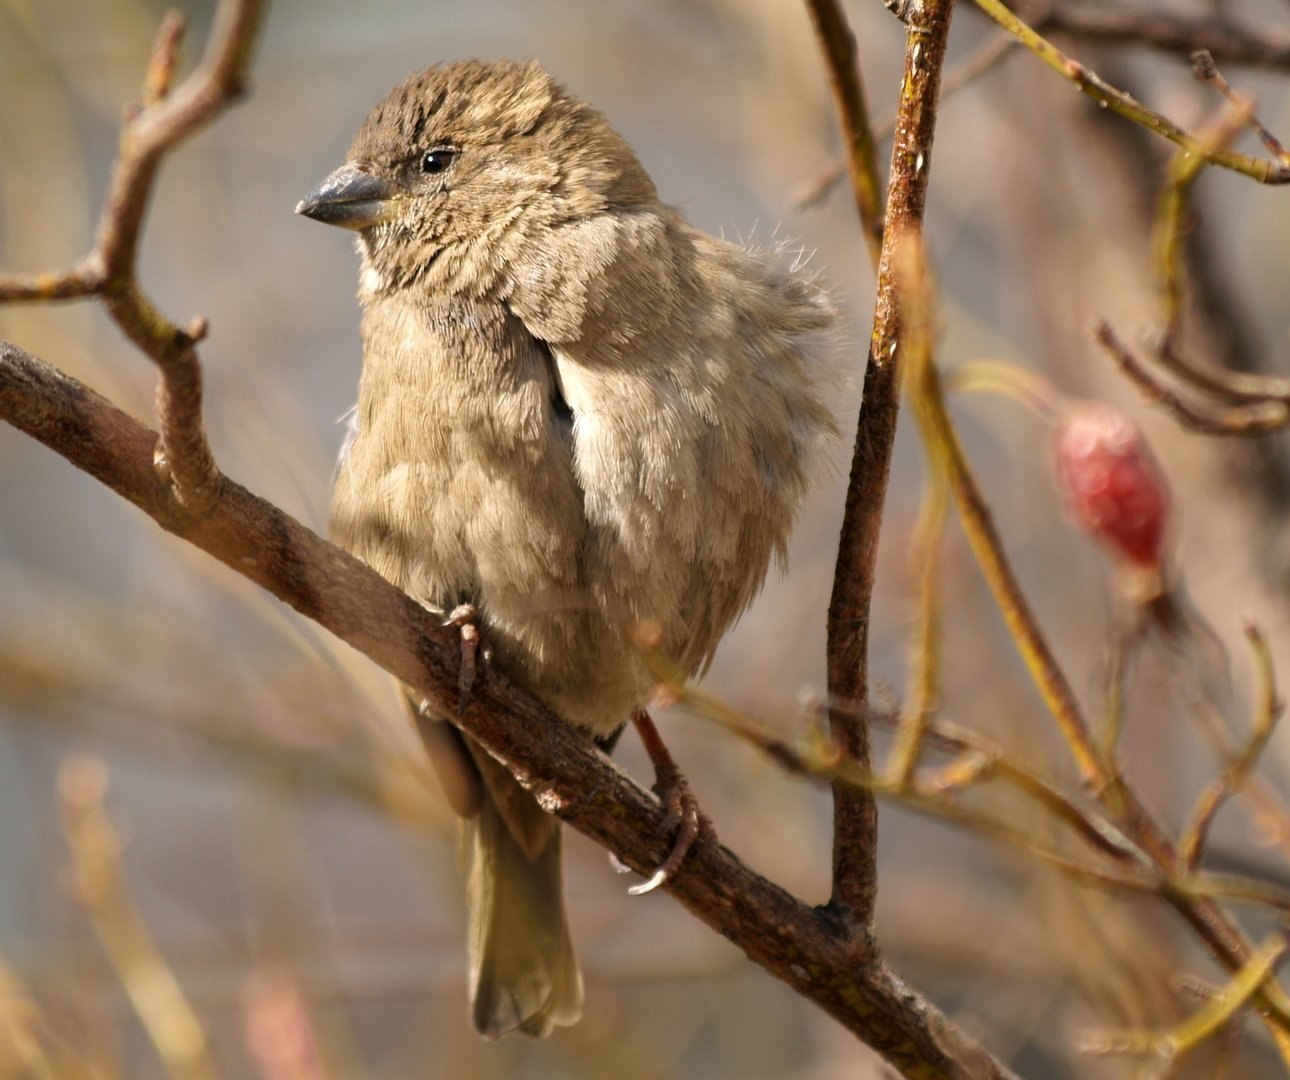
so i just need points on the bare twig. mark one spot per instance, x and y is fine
(925, 677)
(855, 815)
(947, 456)
(1168, 1046)
(1206, 70)
(1242, 764)
(168, 118)
(21, 1019)
(1090, 83)
(1173, 218)
(1215, 927)
(841, 58)
(170, 1022)
(160, 75)
(979, 760)
(1167, 31)
(987, 57)
(1254, 418)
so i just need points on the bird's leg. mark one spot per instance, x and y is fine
(678, 800)
(463, 617)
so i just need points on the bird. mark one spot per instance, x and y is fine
(577, 416)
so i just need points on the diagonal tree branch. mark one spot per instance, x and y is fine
(803, 946)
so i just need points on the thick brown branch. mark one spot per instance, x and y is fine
(806, 948)
(855, 819)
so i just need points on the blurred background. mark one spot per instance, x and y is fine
(280, 837)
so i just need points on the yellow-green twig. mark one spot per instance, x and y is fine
(1169, 1045)
(946, 455)
(170, 1022)
(1106, 95)
(1242, 764)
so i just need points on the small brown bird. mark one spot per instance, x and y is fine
(577, 414)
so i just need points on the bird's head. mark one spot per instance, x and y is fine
(457, 175)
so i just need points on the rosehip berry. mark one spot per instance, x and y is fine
(1113, 487)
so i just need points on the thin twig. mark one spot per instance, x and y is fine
(980, 760)
(947, 456)
(1166, 31)
(1255, 418)
(160, 75)
(855, 814)
(1172, 218)
(925, 677)
(1214, 925)
(1106, 95)
(987, 57)
(170, 1022)
(1161, 30)
(841, 58)
(21, 1020)
(1176, 1042)
(1242, 764)
(168, 117)
(1205, 69)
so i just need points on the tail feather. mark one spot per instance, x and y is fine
(523, 973)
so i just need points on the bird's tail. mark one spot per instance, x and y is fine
(523, 973)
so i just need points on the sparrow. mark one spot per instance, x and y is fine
(577, 416)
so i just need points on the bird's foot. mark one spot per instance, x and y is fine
(678, 800)
(464, 617)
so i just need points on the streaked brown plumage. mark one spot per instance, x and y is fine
(577, 413)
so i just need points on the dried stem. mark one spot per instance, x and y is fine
(1265, 172)
(985, 59)
(1254, 418)
(947, 456)
(1166, 31)
(925, 678)
(1172, 219)
(855, 814)
(1206, 70)
(841, 58)
(1166, 1047)
(167, 118)
(170, 1022)
(1241, 765)
(1214, 926)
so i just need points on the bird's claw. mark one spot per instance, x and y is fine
(678, 800)
(463, 617)
(683, 815)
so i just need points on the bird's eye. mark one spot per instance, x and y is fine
(437, 160)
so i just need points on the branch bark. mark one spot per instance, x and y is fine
(855, 814)
(803, 946)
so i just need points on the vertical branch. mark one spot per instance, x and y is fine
(855, 815)
(924, 685)
(925, 675)
(838, 44)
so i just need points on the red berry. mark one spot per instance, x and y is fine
(1114, 489)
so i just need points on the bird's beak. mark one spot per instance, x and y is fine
(350, 197)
